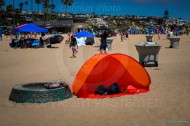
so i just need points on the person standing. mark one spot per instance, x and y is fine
(16, 42)
(158, 35)
(103, 45)
(121, 36)
(41, 41)
(1, 36)
(21, 41)
(126, 35)
(1, 32)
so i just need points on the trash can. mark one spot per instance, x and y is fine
(109, 43)
(149, 38)
(174, 41)
(148, 53)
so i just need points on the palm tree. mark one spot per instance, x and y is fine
(2, 3)
(31, 6)
(13, 10)
(26, 3)
(38, 2)
(9, 7)
(13, 4)
(166, 14)
(52, 6)
(45, 7)
(67, 3)
(21, 6)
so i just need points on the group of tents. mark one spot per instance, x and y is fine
(33, 42)
(147, 31)
(83, 37)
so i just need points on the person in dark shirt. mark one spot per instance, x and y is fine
(103, 45)
(41, 41)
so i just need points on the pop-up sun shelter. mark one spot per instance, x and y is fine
(84, 37)
(84, 34)
(107, 69)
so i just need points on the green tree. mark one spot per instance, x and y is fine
(67, 3)
(38, 2)
(166, 14)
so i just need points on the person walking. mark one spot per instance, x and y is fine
(103, 45)
(159, 35)
(73, 45)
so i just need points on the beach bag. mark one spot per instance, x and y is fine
(102, 90)
(114, 89)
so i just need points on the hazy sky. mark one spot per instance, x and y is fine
(176, 8)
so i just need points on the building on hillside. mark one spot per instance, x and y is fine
(99, 22)
(80, 23)
(75, 24)
(57, 26)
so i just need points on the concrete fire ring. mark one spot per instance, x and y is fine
(38, 93)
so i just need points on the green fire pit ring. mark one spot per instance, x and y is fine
(38, 93)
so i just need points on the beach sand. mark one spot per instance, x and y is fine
(166, 104)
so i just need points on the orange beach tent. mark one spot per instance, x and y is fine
(107, 69)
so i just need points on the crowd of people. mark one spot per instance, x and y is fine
(26, 40)
(103, 34)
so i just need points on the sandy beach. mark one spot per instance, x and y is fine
(166, 104)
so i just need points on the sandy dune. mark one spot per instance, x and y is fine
(167, 103)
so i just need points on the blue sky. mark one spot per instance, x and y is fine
(176, 8)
